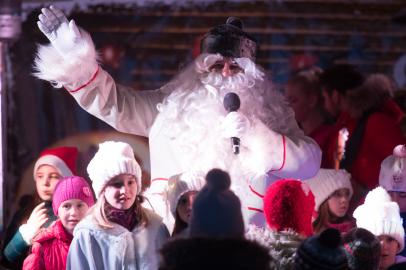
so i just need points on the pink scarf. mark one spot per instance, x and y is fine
(126, 218)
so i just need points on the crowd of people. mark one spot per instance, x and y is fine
(314, 179)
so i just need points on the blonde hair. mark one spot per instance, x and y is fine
(98, 213)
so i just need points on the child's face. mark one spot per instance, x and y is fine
(400, 198)
(121, 191)
(46, 178)
(338, 202)
(70, 212)
(185, 205)
(389, 249)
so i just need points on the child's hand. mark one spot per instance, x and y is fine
(38, 217)
(64, 35)
(35, 222)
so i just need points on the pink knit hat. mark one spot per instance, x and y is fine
(62, 158)
(73, 187)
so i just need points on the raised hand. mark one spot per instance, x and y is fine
(62, 34)
(38, 217)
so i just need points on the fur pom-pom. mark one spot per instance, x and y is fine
(400, 151)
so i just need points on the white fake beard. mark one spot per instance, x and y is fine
(194, 115)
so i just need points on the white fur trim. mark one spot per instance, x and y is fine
(54, 161)
(73, 69)
(27, 232)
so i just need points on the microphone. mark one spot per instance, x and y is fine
(232, 103)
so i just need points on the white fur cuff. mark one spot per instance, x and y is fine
(73, 69)
(27, 232)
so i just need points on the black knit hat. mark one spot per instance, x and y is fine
(363, 249)
(229, 40)
(322, 252)
(216, 209)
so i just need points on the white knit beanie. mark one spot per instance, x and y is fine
(180, 184)
(380, 216)
(112, 159)
(326, 182)
(392, 176)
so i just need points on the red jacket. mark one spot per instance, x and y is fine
(50, 249)
(382, 133)
(324, 135)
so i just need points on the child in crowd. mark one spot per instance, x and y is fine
(332, 191)
(288, 209)
(118, 233)
(72, 198)
(181, 192)
(380, 216)
(392, 178)
(321, 252)
(51, 166)
(363, 249)
(216, 233)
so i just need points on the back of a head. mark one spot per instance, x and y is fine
(363, 249)
(341, 78)
(216, 209)
(322, 252)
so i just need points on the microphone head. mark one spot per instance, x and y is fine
(231, 102)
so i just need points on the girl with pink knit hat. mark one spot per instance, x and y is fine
(49, 168)
(332, 191)
(71, 200)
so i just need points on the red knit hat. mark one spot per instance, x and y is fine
(62, 158)
(289, 205)
(69, 188)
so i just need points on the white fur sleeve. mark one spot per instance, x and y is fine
(75, 68)
(280, 155)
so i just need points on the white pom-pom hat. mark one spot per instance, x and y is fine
(392, 176)
(112, 159)
(326, 182)
(180, 184)
(380, 216)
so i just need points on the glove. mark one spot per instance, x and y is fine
(63, 35)
(235, 124)
(34, 223)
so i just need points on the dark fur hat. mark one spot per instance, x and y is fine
(229, 40)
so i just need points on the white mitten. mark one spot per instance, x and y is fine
(34, 223)
(63, 35)
(235, 124)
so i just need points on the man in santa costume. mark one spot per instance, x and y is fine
(188, 127)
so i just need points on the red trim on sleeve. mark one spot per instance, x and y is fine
(255, 192)
(284, 154)
(159, 179)
(86, 84)
(255, 209)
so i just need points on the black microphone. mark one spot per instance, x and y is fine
(232, 103)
